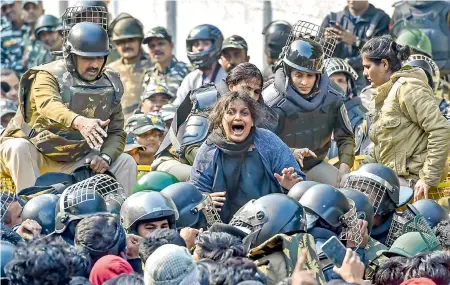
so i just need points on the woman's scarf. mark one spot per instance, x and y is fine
(228, 147)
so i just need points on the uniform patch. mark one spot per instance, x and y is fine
(345, 118)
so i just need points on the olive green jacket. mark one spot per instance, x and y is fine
(409, 133)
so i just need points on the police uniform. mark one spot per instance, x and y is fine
(12, 48)
(35, 52)
(40, 138)
(132, 76)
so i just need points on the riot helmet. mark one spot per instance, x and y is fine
(126, 27)
(431, 211)
(300, 188)
(154, 181)
(7, 254)
(364, 208)
(42, 209)
(428, 65)
(275, 37)
(328, 208)
(416, 40)
(114, 202)
(336, 65)
(412, 243)
(196, 209)
(205, 59)
(304, 55)
(145, 206)
(380, 183)
(267, 216)
(46, 23)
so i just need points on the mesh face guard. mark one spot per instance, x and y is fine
(306, 30)
(373, 186)
(350, 226)
(75, 15)
(337, 65)
(208, 210)
(407, 222)
(85, 190)
(7, 198)
(436, 73)
(250, 217)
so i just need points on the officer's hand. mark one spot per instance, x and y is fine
(352, 269)
(190, 236)
(342, 34)
(218, 199)
(133, 242)
(301, 153)
(289, 178)
(98, 164)
(343, 170)
(301, 276)
(29, 229)
(91, 130)
(421, 188)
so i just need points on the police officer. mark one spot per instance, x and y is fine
(204, 46)
(329, 213)
(276, 235)
(167, 70)
(12, 37)
(65, 108)
(35, 51)
(234, 52)
(275, 36)
(144, 212)
(154, 98)
(309, 105)
(432, 212)
(345, 77)
(127, 34)
(357, 23)
(45, 30)
(413, 243)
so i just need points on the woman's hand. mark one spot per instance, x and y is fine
(218, 199)
(421, 188)
(301, 153)
(288, 179)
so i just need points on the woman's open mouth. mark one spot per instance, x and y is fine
(237, 128)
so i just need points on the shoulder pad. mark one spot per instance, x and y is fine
(271, 95)
(196, 130)
(114, 78)
(204, 97)
(268, 82)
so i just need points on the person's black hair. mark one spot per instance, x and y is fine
(431, 265)
(245, 71)
(390, 271)
(219, 246)
(235, 270)
(77, 280)
(39, 261)
(157, 239)
(80, 260)
(9, 235)
(442, 231)
(206, 269)
(99, 235)
(126, 279)
(385, 47)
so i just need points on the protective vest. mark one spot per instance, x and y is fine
(88, 99)
(301, 127)
(431, 19)
(291, 246)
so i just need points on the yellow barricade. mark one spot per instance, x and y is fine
(143, 169)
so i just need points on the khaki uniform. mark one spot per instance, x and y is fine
(132, 76)
(40, 138)
(277, 257)
(410, 134)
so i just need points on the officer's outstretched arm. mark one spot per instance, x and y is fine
(115, 142)
(343, 134)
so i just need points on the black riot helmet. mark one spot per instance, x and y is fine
(206, 58)
(431, 211)
(267, 216)
(275, 37)
(364, 208)
(46, 23)
(7, 254)
(114, 202)
(88, 40)
(380, 183)
(304, 55)
(300, 188)
(126, 27)
(145, 206)
(336, 65)
(42, 209)
(327, 207)
(77, 202)
(196, 210)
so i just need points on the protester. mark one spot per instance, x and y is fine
(156, 239)
(108, 267)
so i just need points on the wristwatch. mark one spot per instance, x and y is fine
(106, 157)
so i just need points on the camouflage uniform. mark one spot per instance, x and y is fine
(172, 76)
(132, 76)
(35, 52)
(12, 48)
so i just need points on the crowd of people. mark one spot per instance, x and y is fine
(122, 166)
